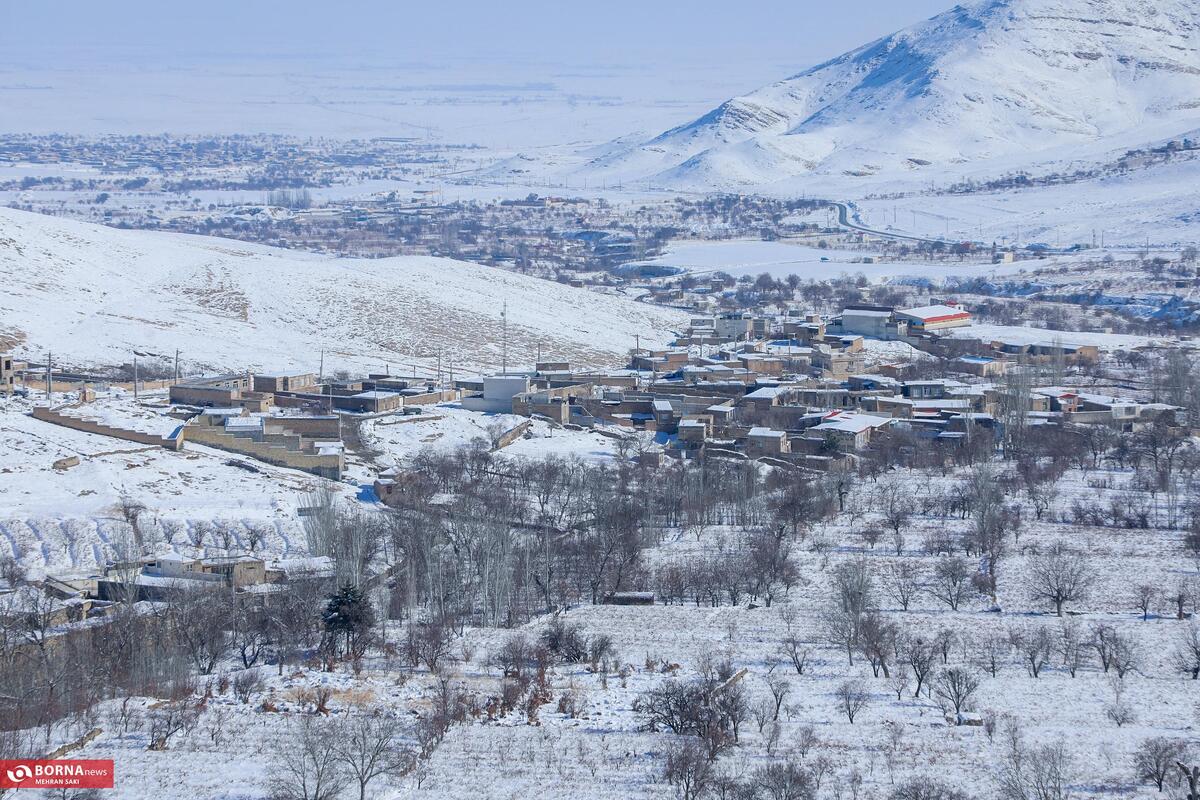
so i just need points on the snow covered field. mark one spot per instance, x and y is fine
(603, 750)
(1029, 335)
(72, 519)
(780, 259)
(1159, 205)
(97, 295)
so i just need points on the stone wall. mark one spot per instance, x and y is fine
(91, 426)
(326, 466)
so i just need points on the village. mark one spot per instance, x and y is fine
(791, 391)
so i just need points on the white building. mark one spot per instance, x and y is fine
(498, 394)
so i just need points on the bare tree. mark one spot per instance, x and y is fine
(1033, 643)
(370, 746)
(688, 767)
(951, 580)
(925, 787)
(307, 765)
(1187, 651)
(1059, 577)
(1156, 758)
(852, 697)
(877, 640)
(903, 581)
(795, 649)
(1034, 773)
(920, 656)
(1071, 646)
(991, 650)
(956, 687)
(893, 501)
(200, 618)
(169, 719)
(900, 679)
(783, 781)
(1144, 596)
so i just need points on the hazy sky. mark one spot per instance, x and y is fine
(502, 73)
(797, 32)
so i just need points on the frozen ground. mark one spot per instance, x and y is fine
(1029, 335)
(71, 519)
(780, 259)
(1158, 206)
(604, 753)
(97, 295)
(450, 426)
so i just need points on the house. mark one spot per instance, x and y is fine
(32, 606)
(767, 397)
(871, 383)
(767, 442)
(233, 571)
(167, 576)
(693, 432)
(851, 429)
(733, 327)
(923, 390)
(982, 366)
(8, 375)
(220, 391)
(285, 382)
(498, 394)
(934, 318)
(873, 322)
(839, 363)
(664, 415)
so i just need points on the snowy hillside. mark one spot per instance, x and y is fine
(1000, 81)
(97, 295)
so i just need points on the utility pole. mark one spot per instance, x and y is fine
(504, 339)
(49, 369)
(321, 369)
(135, 379)
(177, 365)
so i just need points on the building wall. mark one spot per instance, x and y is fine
(204, 395)
(91, 426)
(326, 466)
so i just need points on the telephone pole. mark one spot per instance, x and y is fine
(135, 379)
(504, 339)
(176, 365)
(49, 380)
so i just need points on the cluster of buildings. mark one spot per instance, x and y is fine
(795, 388)
(292, 419)
(59, 601)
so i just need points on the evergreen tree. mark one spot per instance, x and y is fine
(350, 616)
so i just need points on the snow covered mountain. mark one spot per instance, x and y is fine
(97, 295)
(1003, 82)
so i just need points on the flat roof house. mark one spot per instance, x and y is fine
(851, 428)
(767, 442)
(8, 380)
(934, 318)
